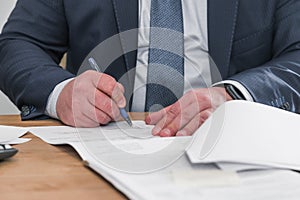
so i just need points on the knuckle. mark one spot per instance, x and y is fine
(203, 96)
(106, 83)
(107, 105)
(173, 111)
(111, 87)
(204, 101)
(108, 79)
(192, 94)
(88, 73)
(81, 88)
(189, 113)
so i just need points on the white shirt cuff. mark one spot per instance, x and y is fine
(52, 99)
(239, 86)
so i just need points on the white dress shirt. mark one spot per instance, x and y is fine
(196, 60)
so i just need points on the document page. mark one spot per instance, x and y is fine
(11, 134)
(146, 167)
(183, 180)
(249, 133)
(124, 148)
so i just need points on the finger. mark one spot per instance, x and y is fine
(118, 96)
(179, 121)
(189, 100)
(168, 123)
(121, 87)
(195, 123)
(102, 117)
(202, 105)
(153, 118)
(96, 115)
(105, 104)
(112, 88)
(166, 119)
(85, 115)
(184, 101)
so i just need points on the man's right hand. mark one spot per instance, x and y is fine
(90, 100)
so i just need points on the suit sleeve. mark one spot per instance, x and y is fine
(277, 82)
(32, 44)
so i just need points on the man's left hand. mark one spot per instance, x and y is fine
(186, 115)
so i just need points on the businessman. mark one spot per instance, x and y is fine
(254, 43)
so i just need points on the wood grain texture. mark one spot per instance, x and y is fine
(42, 171)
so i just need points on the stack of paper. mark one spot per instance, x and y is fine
(238, 134)
(249, 133)
(178, 180)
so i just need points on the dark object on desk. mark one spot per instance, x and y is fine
(6, 151)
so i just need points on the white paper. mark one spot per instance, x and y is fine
(249, 133)
(239, 167)
(170, 182)
(17, 141)
(204, 178)
(119, 146)
(10, 133)
(259, 185)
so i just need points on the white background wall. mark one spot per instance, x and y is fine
(6, 107)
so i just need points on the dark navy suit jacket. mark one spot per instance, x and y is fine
(255, 42)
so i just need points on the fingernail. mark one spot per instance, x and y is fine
(165, 132)
(122, 103)
(155, 131)
(181, 133)
(148, 120)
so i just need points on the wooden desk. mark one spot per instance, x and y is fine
(42, 171)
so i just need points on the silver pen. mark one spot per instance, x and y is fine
(123, 112)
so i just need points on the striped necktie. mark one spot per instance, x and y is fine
(165, 78)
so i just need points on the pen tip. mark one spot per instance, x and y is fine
(129, 122)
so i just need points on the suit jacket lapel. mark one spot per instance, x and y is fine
(222, 17)
(126, 14)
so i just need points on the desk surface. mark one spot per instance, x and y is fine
(43, 171)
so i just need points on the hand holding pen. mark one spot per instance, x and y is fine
(123, 112)
(90, 99)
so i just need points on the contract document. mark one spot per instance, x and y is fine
(146, 167)
(118, 146)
